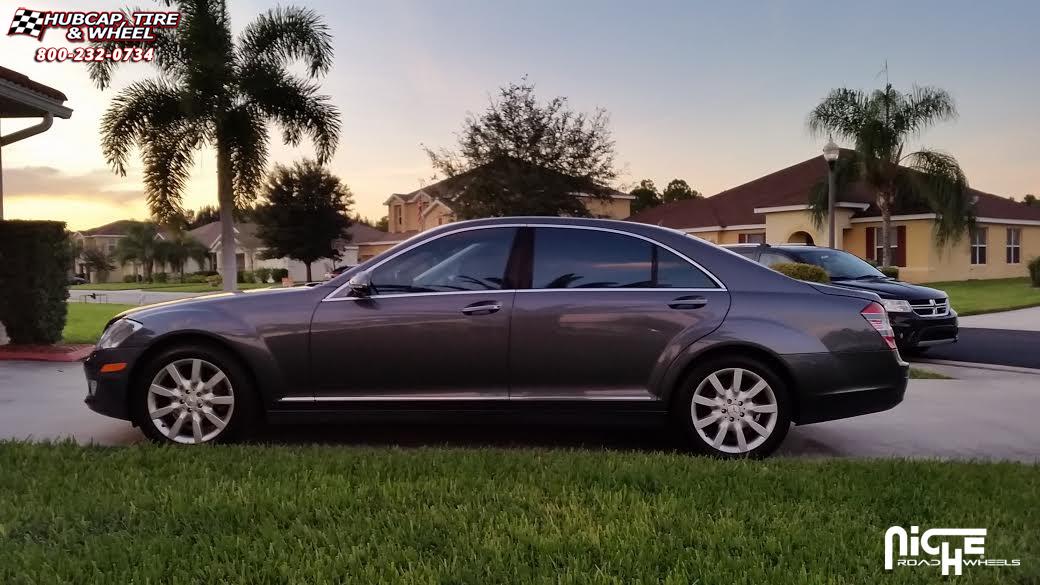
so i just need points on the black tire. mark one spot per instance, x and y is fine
(683, 411)
(244, 418)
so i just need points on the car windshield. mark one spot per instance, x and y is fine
(839, 265)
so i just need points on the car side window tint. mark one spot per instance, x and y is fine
(675, 272)
(770, 258)
(472, 260)
(577, 258)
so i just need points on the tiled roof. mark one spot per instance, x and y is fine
(116, 228)
(791, 186)
(24, 81)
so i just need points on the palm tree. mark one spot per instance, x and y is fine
(880, 124)
(219, 90)
(140, 245)
(179, 247)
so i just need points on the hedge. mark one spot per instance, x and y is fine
(1034, 271)
(35, 260)
(890, 271)
(809, 272)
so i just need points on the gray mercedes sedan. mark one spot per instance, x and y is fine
(553, 318)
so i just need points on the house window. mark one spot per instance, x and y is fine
(751, 238)
(399, 216)
(896, 245)
(978, 246)
(1014, 245)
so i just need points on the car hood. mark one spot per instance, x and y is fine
(210, 299)
(892, 289)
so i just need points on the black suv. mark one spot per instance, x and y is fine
(921, 316)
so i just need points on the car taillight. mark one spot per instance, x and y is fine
(876, 315)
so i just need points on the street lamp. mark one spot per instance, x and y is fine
(830, 154)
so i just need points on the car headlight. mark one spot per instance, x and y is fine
(896, 306)
(117, 333)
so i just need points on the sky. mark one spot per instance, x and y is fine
(715, 93)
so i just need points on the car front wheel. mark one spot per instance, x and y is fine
(193, 395)
(732, 408)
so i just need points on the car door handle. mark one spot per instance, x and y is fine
(482, 308)
(692, 302)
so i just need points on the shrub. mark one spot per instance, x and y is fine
(1034, 271)
(35, 260)
(205, 273)
(890, 271)
(129, 278)
(160, 277)
(262, 274)
(279, 273)
(194, 279)
(809, 272)
(214, 280)
(245, 276)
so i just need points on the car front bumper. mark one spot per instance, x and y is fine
(107, 393)
(913, 331)
(840, 385)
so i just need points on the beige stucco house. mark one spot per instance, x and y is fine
(774, 209)
(431, 206)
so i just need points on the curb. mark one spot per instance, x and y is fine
(74, 353)
(977, 366)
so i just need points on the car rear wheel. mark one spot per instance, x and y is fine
(193, 395)
(734, 407)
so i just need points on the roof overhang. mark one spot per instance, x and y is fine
(724, 228)
(18, 101)
(437, 202)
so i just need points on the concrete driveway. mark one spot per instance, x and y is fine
(984, 414)
(1017, 320)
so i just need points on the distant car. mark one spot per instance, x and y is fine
(534, 317)
(77, 280)
(336, 272)
(921, 316)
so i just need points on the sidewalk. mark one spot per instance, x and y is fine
(1017, 320)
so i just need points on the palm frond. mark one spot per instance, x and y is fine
(842, 114)
(246, 138)
(168, 153)
(938, 178)
(848, 171)
(135, 111)
(924, 107)
(294, 104)
(170, 54)
(285, 34)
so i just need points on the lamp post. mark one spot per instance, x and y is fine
(830, 154)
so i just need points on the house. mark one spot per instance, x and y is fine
(774, 209)
(106, 238)
(431, 206)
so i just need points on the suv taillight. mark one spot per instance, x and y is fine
(876, 315)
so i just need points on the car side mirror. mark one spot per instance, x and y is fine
(360, 284)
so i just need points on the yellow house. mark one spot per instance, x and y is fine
(774, 209)
(431, 206)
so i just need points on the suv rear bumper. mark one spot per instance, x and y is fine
(840, 385)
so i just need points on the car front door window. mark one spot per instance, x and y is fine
(474, 260)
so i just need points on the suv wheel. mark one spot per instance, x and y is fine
(733, 407)
(193, 395)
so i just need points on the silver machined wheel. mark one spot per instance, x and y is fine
(190, 401)
(734, 410)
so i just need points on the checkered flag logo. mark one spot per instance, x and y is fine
(27, 22)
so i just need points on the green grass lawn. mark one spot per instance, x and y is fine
(919, 374)
(164, 287)
(86, 320)
(972, 297)
(324, 514)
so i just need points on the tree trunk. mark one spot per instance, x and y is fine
(308, 271)
(226, 197)
(886, 228)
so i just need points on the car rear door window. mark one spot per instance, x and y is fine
(580, 258)
(472, 260)
(771, 258)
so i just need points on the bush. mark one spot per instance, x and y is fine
(194, 279)
(809, 272)
(160, 277)
(35, 260)
(129, 278)
(1034, 271)
(262, 274)
(214, 280)
(279, 273)
(890, 271)
(205, 273)
(245, 276)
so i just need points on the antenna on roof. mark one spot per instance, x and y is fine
(884, 71)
